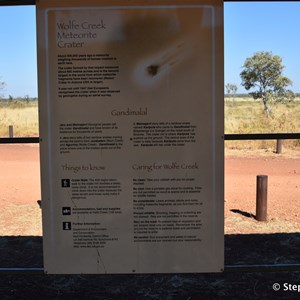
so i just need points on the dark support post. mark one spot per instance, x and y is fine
(11, 131)
(261, 197)
(279, 146)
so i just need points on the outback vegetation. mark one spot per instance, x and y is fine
(262, 73)
(243, 115)
(247, 116)
(22, 114)
(231, 90)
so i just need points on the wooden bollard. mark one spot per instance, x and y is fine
(11, 131)
(261, 197)
(279, 146)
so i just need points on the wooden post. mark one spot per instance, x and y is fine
(279, 146)
(11, 131)
(261, 197)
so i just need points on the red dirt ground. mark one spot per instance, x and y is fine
(20, 190)
(247, 241)
(283, 193)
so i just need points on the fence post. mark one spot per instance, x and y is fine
(11, 131)
(279, 146)
(261, 197)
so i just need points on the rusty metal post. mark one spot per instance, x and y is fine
(261, 197)
(279, 146)
(11, 131)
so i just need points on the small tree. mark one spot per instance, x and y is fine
(2, 85)
(231, 90)
(10, 99)
(26, 98)
(263, 72)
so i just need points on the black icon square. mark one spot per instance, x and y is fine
(65, 183)
(67, 226)
(66, 211)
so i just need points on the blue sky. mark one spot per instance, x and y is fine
(249, 27)
(18, 66)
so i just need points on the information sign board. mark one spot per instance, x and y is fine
(131, 127)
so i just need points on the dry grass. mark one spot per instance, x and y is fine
(248, 116)
(23, 117)
(243, 115)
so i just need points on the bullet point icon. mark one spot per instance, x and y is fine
(65, 183)
(67, 226)
(66, 211)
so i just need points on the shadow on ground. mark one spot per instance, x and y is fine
(250, 249)
(243, 213)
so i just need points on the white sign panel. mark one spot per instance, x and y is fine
(131, 127)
